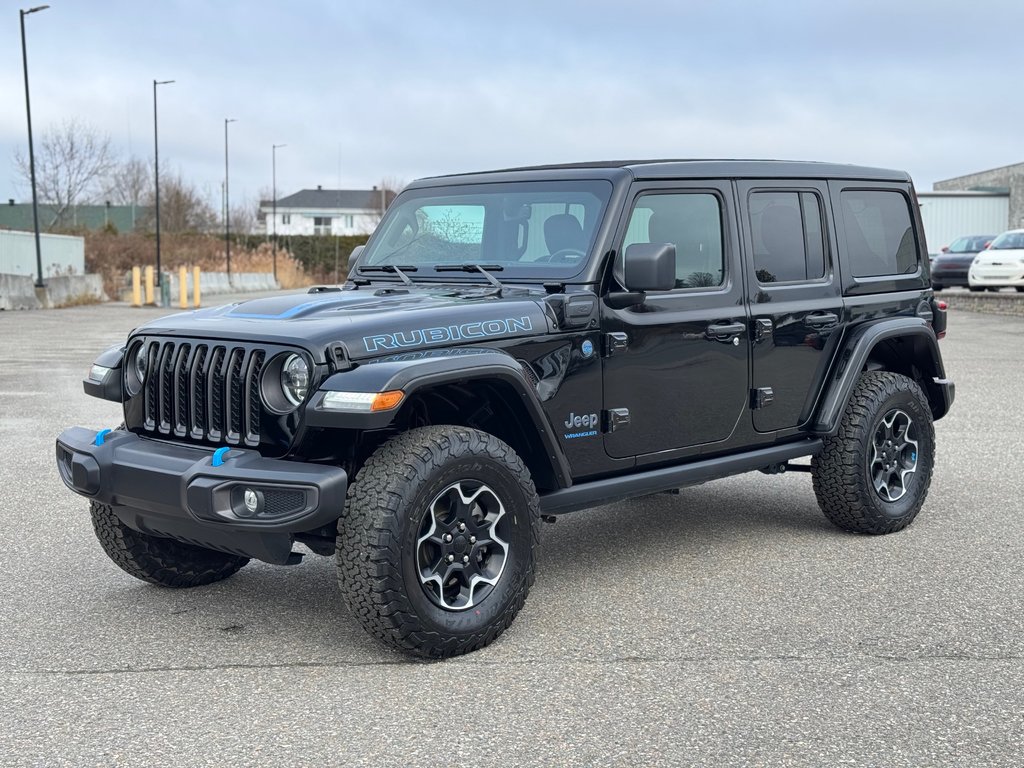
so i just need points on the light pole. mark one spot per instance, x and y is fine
(31, 151)
(156, 176)
(273, 216)
(227, 199)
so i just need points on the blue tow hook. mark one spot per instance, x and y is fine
(218, 456)
(100, 436)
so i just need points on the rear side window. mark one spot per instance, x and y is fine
(879, 234)
(789, 244)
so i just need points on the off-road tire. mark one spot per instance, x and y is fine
(166, 562)
(976, 288)
(840, 472)
(377, 545)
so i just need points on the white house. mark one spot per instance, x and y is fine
(325, 212)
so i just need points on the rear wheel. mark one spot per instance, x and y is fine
(167, 562)
(436, 546)
(873, 475)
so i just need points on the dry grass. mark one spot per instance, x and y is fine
(113, 256)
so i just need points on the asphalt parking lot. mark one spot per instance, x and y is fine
(728, 625)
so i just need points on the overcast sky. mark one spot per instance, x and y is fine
(364, 91)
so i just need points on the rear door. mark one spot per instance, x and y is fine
(795, 296)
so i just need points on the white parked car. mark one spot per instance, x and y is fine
(1001, 265)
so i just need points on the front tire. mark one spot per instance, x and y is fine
(873, 475)
(436, 546)
(167, 562)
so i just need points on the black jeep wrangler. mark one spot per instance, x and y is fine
(515, 345)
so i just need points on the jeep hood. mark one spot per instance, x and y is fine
(370, 321)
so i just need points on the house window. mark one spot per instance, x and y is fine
(321, 225)
(286, 218)
(349, 221)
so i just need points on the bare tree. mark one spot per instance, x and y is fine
(129, 182)
(71, 162)
(385, 193)
(183, 208)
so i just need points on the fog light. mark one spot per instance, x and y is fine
(252, 501)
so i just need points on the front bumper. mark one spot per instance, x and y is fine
(997, 275)
(186, 493)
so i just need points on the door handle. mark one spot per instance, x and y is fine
(723, 332)
(822, 320)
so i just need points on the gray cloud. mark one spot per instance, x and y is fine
(408, 89)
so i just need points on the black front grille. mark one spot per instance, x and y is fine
(203, 391)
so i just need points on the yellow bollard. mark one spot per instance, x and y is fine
(136, 287)
(149, 285)
(183, 288)
(195, 285)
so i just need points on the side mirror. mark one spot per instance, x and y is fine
(649, 267)
(945, 249)
(353, 258)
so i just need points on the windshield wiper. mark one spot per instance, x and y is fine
(483, 269)
(391, 269)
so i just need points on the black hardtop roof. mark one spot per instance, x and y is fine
(666, 169)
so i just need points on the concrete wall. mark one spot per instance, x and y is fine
(1009, 177)
(20, 292)
(61, 254)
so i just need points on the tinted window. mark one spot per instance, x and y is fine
(970, 244)
(879, 236)
(692, 222)
(787, 236)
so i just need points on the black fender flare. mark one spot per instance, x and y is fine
(854, 355)
(416, 371)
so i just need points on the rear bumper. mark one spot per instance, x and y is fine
(177, 491)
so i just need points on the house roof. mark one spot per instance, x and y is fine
(363, 199)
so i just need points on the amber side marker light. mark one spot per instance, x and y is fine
(362, 402)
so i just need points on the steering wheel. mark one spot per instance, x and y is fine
(564, 254)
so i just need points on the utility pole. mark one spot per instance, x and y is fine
(227, 199)
(273, 220)
(31, 151)
(156, 176)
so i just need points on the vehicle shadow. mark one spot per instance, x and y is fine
(296, 614)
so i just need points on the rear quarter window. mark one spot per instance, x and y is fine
(879, 233)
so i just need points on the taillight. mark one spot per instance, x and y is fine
(939, 318)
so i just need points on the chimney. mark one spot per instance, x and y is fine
(10, 201)
(319, 188)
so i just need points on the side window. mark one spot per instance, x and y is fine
(789, 244)
(692, 222)
(879, 234)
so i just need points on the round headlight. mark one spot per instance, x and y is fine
(295, 379)
(140, 363)
(136, 369)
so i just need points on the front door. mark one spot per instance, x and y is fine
(679, 361)
(795, 297)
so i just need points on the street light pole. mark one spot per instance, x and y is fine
(227, 199)
(273, 216)
(31, 151)
(156, 175)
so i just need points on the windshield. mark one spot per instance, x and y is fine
(540, 230)
(971, 244)
(1008, 240)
